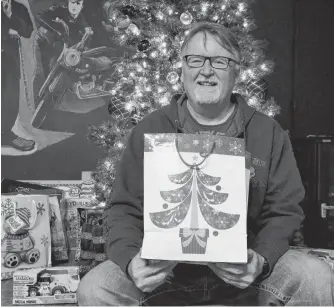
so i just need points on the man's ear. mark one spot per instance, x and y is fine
(181, 77)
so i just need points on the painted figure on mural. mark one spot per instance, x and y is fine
(88, 69)
(15, 23)
(57, 21)
(47, 112)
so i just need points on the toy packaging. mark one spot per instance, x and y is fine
(90, 238)
(56, 285)
(25, 236)
(58, 240)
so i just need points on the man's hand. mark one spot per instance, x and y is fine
(13, 33)
(240, 275)
(147, 276)
(63, 23)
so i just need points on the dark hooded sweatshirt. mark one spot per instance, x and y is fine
(275, 188)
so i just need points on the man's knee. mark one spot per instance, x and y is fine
(304, 267)
(106, 284)
(88, 287)
(303, 277)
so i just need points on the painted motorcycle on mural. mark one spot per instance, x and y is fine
(69, 73)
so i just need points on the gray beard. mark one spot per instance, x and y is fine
(201, 98)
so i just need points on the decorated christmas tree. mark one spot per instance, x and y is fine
(147, 78)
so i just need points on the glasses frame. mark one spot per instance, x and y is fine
(210, 58)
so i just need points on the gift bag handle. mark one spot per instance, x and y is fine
(204, 156)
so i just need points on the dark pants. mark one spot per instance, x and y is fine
(10, 94)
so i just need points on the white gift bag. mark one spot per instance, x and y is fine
(195, 198)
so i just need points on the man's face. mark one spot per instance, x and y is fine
(75, 7)
(207, 85)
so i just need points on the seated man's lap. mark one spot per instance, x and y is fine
(297, 279)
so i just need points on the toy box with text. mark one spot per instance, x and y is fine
(57, 285)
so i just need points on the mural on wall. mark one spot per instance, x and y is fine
(57, 64)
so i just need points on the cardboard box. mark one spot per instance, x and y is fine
(57, 285)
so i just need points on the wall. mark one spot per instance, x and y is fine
(64, 152)
(275, 24)
(314, 68)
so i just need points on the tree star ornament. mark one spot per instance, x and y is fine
(186, 18)
(172, 77)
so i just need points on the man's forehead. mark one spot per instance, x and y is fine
(205, 40)
(75, 1)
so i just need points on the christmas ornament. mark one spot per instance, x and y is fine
(129, 10)
(133, 28)
(124, 23)
(146, 13)
(257, 88)
(136, 117)
(144, 45)
(172, 77)
(186, 18)
(218, 187)
(116, 108)
(215, 233)
(165, 206)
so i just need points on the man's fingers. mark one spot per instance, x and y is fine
(250, 255)
(158, 268)
(224, 275)
(152, 282)
(234, 268)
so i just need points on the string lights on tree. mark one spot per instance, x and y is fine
(147, 78)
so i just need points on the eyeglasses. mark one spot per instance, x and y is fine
(218, 62)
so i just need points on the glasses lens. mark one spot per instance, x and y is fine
(220, 63)
(195, 61)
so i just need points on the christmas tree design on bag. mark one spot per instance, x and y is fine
(194, 194)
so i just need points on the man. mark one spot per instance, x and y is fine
(15, 22)
(55, 22)
(273, 275)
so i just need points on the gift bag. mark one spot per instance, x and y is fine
(195, 198)
(25, 236)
